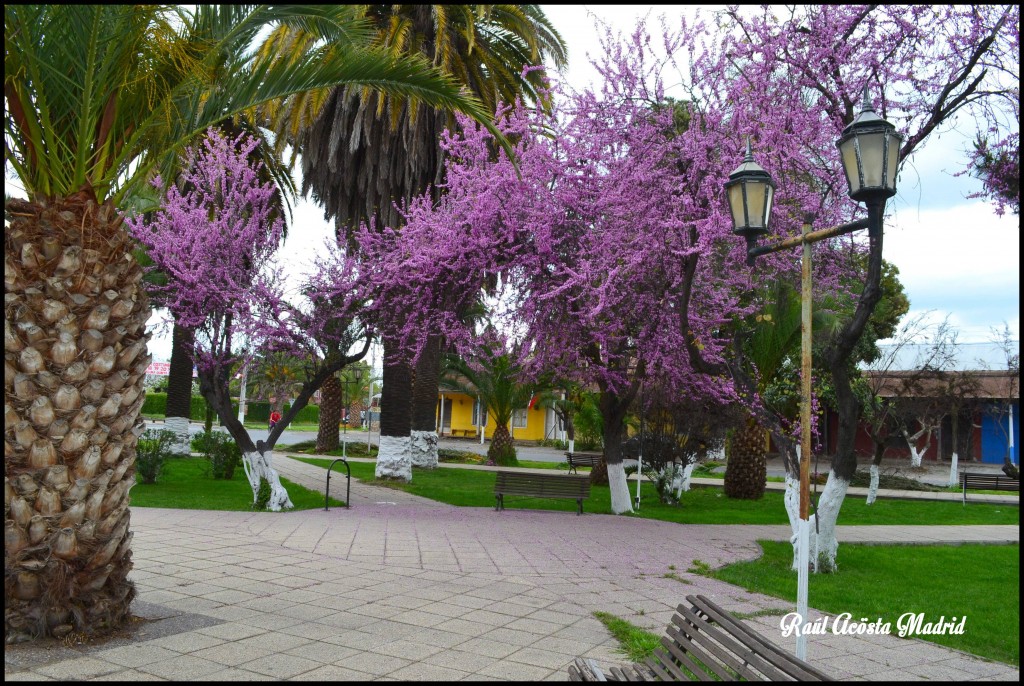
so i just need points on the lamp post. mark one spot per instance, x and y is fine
(869, 150)
(357, 374)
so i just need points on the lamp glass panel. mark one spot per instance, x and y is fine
(848, 152)
(894, 158)
(756, 202)
(739, 215)
(871, 158)
(768, 205)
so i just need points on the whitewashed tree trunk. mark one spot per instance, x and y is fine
(952, 470)
(873, 487)
(829, 503)
(915, 455)
(423, 448)
(791, 501)
(619, 488)
(681, 482)
(394, 458)
(182, 444)
(572, 444)
(257, 466)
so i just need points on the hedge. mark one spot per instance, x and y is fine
(156, 405)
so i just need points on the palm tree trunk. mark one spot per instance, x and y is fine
(394, 460)
(330, 415)
(179, 389)
(423, 435)
(746, 465)
(74, 365)
(502, 450)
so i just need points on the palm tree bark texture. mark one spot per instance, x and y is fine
(179, 389)
(72, 369)
(330, 415)
(423, 434)
(394, 460)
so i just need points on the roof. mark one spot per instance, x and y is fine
(999, 384)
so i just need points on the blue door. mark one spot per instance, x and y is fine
(994, 436)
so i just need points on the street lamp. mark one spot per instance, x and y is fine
(869, 149)
(357, 373)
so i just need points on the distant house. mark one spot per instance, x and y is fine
(459, 414)
(994, 389)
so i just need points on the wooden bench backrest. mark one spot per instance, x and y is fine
(708, 642)
(542, 485)
(992, 482)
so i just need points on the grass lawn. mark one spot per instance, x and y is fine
(701, 505)
(980, 581)
(185, 483)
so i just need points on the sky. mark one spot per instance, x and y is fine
(955, 256)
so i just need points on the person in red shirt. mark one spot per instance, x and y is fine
(275, 417)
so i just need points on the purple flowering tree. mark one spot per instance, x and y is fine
(804, 68)
(216, 240)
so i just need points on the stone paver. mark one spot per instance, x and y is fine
(402, 588)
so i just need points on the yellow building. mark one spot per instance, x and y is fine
(457, 415)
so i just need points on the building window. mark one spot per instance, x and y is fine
(519, 419)
(476, 414)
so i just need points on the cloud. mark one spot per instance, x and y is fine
(962, 259)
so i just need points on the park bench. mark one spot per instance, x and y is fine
(704, 642)
(468, 433)
(540, 486)
(987, 482)
(582, 460)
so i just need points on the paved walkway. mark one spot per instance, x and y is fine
(403, 588)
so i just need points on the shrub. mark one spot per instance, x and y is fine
(200, 443)
(224, 455)
(152, 449)
(262, 495)
(155, 405)
(222, 452)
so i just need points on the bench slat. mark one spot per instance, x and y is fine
(792, 665)
(674, 657)
(716, 642)
(704, 642)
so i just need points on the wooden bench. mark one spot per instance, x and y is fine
(468, 433)
(582, 460)
(987, 482)
(541, 486)
(705, 642)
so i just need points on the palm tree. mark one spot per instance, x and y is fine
(363, 152)
(98, 99)
(496, 379)
(773, 338)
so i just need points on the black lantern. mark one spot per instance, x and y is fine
(870, 151)
(750, 190)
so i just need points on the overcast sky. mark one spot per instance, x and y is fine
(954, 255)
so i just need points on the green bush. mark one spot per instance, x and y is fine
(156, 405)
(222, 452)
(200, 443)
(262, 495)
(151, 450)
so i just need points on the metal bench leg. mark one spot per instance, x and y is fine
(579, 503)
